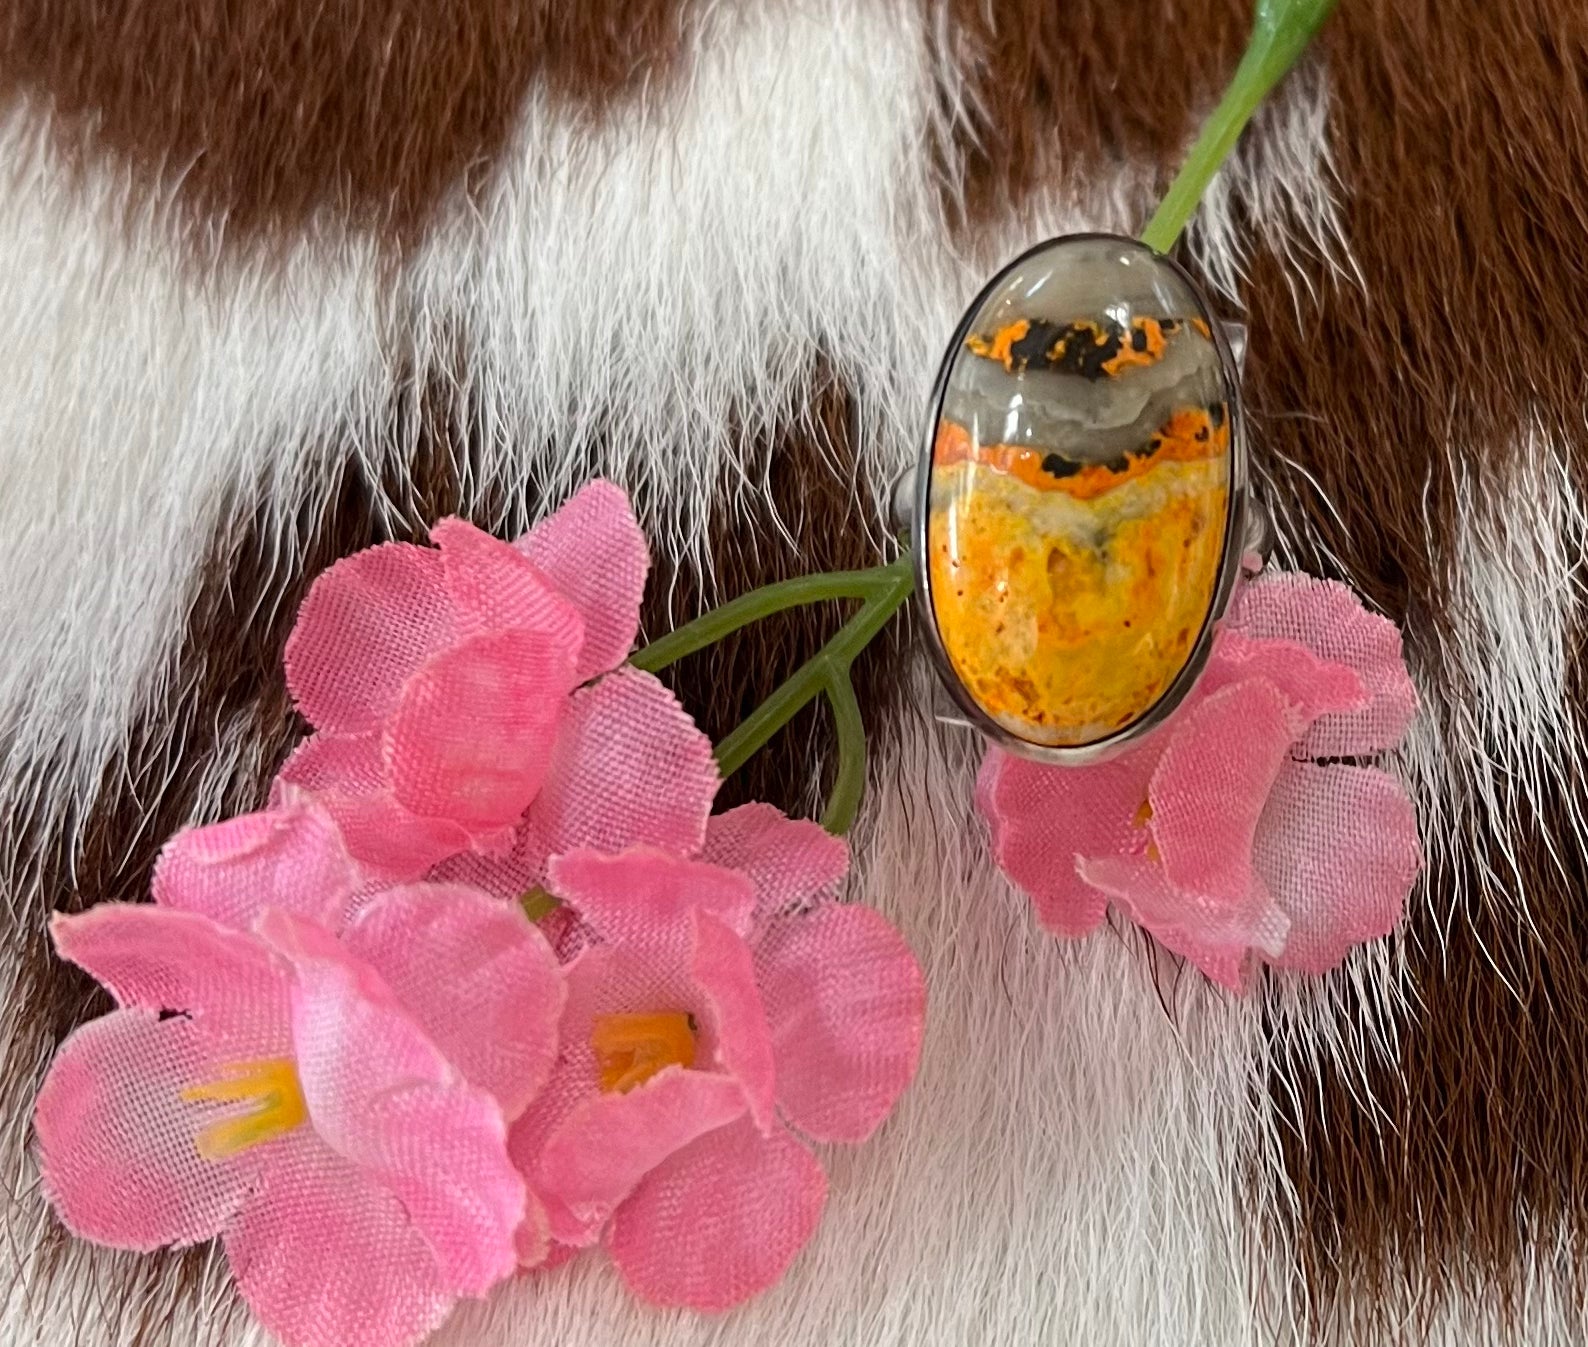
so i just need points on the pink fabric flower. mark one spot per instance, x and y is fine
(1248, 825)
(335, 1110)
(722, 1004)
(289, 858)
(439, 679)
(630, 768)
(319, 1060)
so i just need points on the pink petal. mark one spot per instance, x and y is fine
(1338, 846)
(1043, 817)
(345, 775)
(533, 1242)
(354, 1043)
(381, 1095)
(367, 623)
(526, 1140)
(507, 875)
(1312, 687)
(593, 1160)
(330, 765)
(1229, 967)
(848, 1008)
(644, 894)
(443, 1152)
(117, 1147)
(791, 862)
(1216, 935)
(1210, 785)
(326, 1258)
(1329, 619)
(719, 1221)
(621, 978)
(478, 978)
(471, 738)
(594, 552)
(725, 970)
(630, 769)
(495, 589)
(557, 1256)
(160, 960)
(601, 979)
(606, 979)
(290, 858)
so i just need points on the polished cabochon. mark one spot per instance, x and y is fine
(1080, 505)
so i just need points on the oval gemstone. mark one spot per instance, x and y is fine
(1079, 490)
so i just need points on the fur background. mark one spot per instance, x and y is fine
(279, 279)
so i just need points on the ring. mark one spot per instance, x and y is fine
(1080, 508)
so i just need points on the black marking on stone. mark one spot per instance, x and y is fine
(1033, 351)
(1084, 355)
(1066, 348)
(1056, 465)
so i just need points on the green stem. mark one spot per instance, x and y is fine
(1280, 33)
(843, 801)
(711, 627)
(882, 589)
(824, 672)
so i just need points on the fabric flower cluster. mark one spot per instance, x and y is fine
(1253, 826)
(343, 1044)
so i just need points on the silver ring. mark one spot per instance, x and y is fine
(1087, 409)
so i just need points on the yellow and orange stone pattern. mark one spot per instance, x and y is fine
(1079, 492)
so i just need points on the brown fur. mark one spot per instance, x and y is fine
(268, 112)
(811, 471)
(1074, 91)
(1459, 132)
(1479, 1160)
(1461, 136)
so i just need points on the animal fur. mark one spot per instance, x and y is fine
(282, 279)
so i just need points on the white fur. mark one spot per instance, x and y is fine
(140, 407)
(1516, 571)
(1281, 186)
(1074, 1164)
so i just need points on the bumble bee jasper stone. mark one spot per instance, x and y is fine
(1079, 491)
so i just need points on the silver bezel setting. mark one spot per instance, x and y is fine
(1236, 521)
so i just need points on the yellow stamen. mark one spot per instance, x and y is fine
(271, 1085)
(1143, 818)
(633, 1048)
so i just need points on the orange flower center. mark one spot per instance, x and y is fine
(633, 1048)
(271, 1086)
